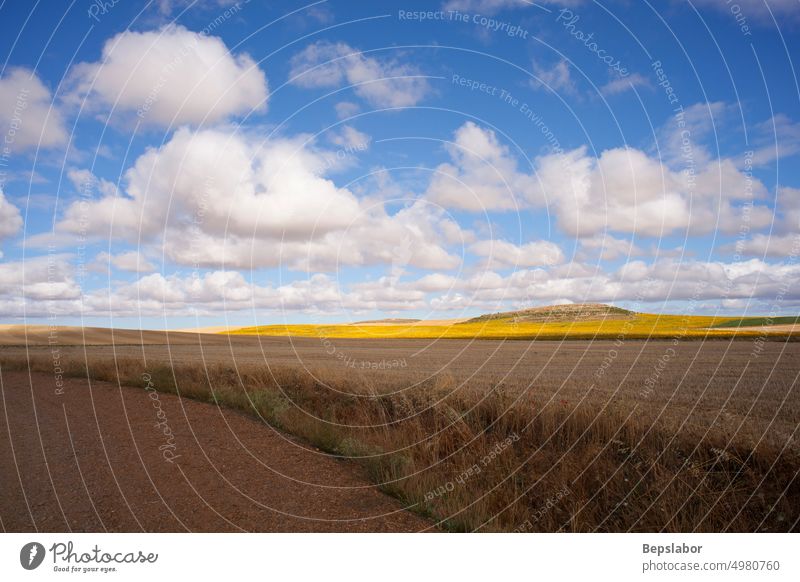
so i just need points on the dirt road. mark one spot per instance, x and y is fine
(110, 458)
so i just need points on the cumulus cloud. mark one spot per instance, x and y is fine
(38, 280)
(556, 78)
(662, 280)
(623, 190)
(28, 117)
(787, 201)
(382, 82)
(210, 294)
(416, 236)
(483, 174)
(349, 138)
(44, 286)
(215, 198)
(783, 240)
(130, 261)
(224, 183)
(10, 218)
(766, 245)
(622, 84)
(86, 183)
(170, 76)
(500, 253)
(608, 248)
(681, 139)
(346, 109)
(778, 137)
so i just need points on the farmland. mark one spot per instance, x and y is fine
(551, 323)
(488, 435)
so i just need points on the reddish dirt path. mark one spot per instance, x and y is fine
(89, 460)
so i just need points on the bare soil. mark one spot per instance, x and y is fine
(93, 459)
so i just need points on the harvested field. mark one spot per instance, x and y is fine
(16, 335)
(788, 328)
(94, 461)
(512, 435)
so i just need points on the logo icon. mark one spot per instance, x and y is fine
(31, 555)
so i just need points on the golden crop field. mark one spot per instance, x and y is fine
(637, 326)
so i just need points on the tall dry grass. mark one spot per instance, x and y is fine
(490, 459)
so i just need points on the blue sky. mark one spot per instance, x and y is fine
(177, 163)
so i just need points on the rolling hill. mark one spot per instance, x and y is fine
(551, 313)
(557, 322)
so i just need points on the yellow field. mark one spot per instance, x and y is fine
(640, 325)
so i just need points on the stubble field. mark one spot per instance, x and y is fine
(656, 435)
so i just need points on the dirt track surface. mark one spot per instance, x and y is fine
(89, 460)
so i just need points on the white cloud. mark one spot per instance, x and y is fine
(346, 109)
(130, 261)
(38, 279)
(225, 184)
(680, 140)
(500, 253)
(622, 84)
(623, 190)
(778, 137)
(783, 240)
(416, 236)
(212, 294)
(380, 81)
(557, 78)
(28, 117)
(435, 282)
(663, 280)
(671, 280)
(766, 245)
(215, 198)
(787, 202)
(349, 138)
(608, 248)
(86, 183)
(171, 76)
(10, 218)
(44, 286)
(483, 174)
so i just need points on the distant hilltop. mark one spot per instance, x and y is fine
(389, 321)
(545, 314)
(553, 313)
(577, 321)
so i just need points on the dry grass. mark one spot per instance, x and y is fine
(494, 459)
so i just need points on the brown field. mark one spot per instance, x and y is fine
(32, 335)
(780, 328)
(510, 435)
